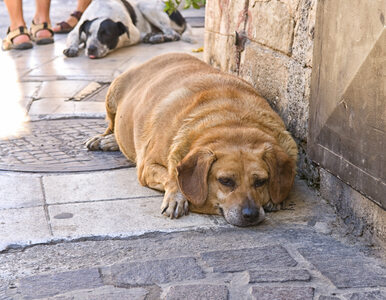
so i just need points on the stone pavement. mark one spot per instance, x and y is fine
(77, 225)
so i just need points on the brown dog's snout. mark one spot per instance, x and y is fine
(250, 213)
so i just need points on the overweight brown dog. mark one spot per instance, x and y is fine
(205, 138)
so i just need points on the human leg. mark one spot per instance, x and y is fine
(15, 11)
(69, 24)
(42, 15)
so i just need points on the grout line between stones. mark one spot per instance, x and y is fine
(105, 200)
(45, 207)
(316, 276)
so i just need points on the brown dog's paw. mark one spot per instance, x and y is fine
(174, 205)
(271, 207)
(102, 142)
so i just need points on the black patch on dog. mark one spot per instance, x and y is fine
(85, 27)
(177, 18)
(110, 31)
(131, 11)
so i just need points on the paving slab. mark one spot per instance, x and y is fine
(27, 89)
(371, 295)
(99, 95)
(96, 186)
(20, 191)
(153, 272)
(23, 62)
(13, 103)
(107, 68)
(279, 275)
(60, 108)
(282, 293)
(41, 286)
(274, 256)
(329, 298)
(60, 88)
(76, 68)
(23, 226)
(197, 292)
(120, 218)
(344, 267)
(103, 293)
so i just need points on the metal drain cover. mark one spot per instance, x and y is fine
(57, 146)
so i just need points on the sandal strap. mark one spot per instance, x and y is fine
(64, 26)
(7, 43)
(14, 33)
(77, 14)
(35, 28)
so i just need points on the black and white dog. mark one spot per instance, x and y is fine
(110, 24)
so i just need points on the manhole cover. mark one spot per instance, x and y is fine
(57, 146)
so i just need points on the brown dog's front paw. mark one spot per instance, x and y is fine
(102, 142)
(271, 207)
(174, 205)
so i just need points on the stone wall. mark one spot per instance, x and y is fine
(269, 43)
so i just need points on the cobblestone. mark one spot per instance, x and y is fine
(328, 298)
(197, 292)
(344, 267)
(156, 264)
(373, 295)
(153, 272)
(103, 293)
(282, 293)
(41, 286)
(249, 259)
(279, 275)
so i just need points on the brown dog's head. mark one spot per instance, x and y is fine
(236, 182)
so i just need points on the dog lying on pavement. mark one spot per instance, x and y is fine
(205, 138)
(110, 24)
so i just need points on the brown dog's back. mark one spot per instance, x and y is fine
(158, 96)
(202, 136)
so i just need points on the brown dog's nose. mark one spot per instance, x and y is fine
(250, 213)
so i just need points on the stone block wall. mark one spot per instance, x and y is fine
(269, 43)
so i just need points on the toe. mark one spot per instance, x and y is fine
(93, 143)
(170, 210)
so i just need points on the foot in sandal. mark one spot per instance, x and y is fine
(42, 34)
(18, 39)
(67, 26)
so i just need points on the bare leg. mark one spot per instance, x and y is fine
(42, 15)
(72, 21)
(15, 11)
(106, 141)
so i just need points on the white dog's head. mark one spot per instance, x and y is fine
(101, 36)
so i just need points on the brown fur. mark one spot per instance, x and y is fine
(187, 125)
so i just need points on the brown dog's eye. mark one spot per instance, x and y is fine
(227, 181)
(259, 182)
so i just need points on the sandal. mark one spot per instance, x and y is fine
(35, 28)
(65, 27)
(8, 44)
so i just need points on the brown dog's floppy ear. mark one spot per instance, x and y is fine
(193, 175)
(281, 172)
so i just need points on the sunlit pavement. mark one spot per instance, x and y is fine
(82, 211)
(42, 84)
